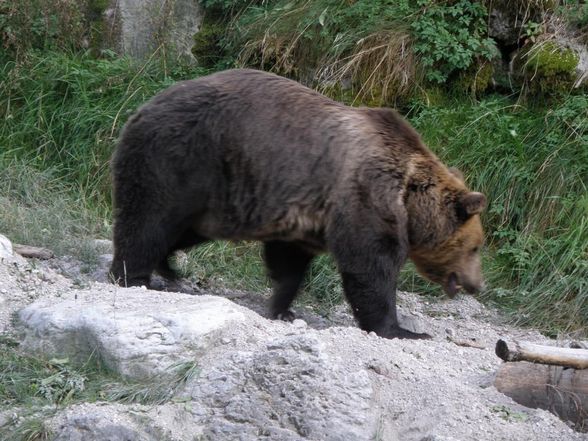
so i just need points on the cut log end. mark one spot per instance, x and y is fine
(501, 350)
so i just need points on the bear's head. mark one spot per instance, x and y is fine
(449, 253)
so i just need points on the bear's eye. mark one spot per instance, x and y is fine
(476, 249)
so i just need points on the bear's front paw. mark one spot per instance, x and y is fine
(286, 316)
(397, 332)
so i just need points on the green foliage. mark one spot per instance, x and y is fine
(475, 80)
(575, 12)
(451, 37)
(39, 209)
(240, 266)
(207, 46)
(64, 112)
(533, 166)
(47, 24)
(223, 264)
(381, 45)
(26, 380)
(508, 414)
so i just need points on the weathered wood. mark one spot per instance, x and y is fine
(33, 252)
(562, 391)
(521, 351)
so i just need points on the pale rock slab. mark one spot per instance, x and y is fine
(137, 333)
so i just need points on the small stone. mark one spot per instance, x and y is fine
(299, 324)
(225, 340)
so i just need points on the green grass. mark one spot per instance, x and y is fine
(64, 111)
(39, 208)
(240, 266)
(39, 388)
(532, 163)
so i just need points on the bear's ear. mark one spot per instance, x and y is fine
(457, 173)
(471, 203)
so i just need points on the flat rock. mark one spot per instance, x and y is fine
(5, 248)
(259, 379)
(137, 333)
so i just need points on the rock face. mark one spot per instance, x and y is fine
(139, 27)
(98, 425)
(288, 389)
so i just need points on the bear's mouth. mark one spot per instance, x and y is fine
(452, 287)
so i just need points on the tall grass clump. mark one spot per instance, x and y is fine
(38, 208)
(63, 111)
(533, 165)
(374, 51)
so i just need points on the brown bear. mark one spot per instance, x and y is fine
(248, 155)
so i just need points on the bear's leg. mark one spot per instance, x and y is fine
(286, 263)
(373, 303)
(141, 242)
(369, 266)
(188, 239)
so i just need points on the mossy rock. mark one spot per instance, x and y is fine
(476, 79)
(207, 46)
(546, 68)
(551, 60)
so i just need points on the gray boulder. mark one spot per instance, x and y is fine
(136, 333)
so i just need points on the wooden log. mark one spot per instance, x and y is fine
(520, 351)
(33, 252)
(562, 391)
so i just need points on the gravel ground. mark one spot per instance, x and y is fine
(403, 390)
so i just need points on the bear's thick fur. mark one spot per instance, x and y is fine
(244, 154)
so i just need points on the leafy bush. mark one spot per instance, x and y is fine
(43, 24)
(451, 36)
(380, 46)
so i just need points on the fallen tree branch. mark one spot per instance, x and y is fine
(520, 351)
(33, 252)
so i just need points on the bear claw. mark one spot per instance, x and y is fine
(286, 316)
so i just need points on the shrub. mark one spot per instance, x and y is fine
(377, 48)
(47, 24)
